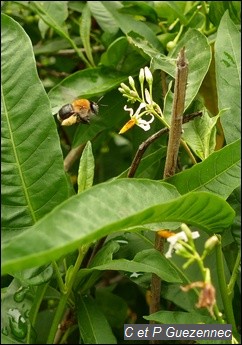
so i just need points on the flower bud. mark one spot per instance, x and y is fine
(141, 76)
(125, 87)
(148, 75)
(131, 82)
(211, 243)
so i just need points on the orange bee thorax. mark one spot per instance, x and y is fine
(81, 104)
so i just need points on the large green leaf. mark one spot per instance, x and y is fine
(107, 208)
(220, 173)
(228, 77)
(33, 180)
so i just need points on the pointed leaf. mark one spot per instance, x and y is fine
(93, 325)
(228, 77)
(33, 179)
(86, 169)
(198, 55)
(85, 32)
(107, 208)
(220, 173)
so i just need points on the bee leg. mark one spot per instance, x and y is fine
(81, 119)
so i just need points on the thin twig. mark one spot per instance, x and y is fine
(143, 147)
(72, 156)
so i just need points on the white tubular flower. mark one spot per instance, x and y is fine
(148, 97)
(136, 119)
(180, 236)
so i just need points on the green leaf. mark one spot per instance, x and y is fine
(53, 13)
(33, 180)
(218, 8)
(200, 134)
(178, 11)
(140, 8)
(198, 55)
(114, 307)
(86, 169)
(103, 17)
(107, 208)
(123, 57)
(228, 77)
(16, 305)
(149, 261)
(235, 201)
(127, 23)
(178, 317)
(220, 173)
(93, 325)
(85, 28)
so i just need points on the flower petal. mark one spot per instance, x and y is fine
(127, 126)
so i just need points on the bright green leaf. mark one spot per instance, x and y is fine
(33, 180)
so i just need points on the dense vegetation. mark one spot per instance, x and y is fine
(84, 206)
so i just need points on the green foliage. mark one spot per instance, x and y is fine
(77, 232)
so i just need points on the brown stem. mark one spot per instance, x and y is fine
(171, 161)
(177, 114)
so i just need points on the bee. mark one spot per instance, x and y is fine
(79, 111)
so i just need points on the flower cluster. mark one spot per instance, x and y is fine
(147, 106)
(182, 243)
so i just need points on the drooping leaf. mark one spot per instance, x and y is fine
(33, 180)
(228, 77)
(220, 173)
(93, 325)
(107, 208)
(85, 32)
(104, 18)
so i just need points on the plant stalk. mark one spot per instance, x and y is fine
(175, 133)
